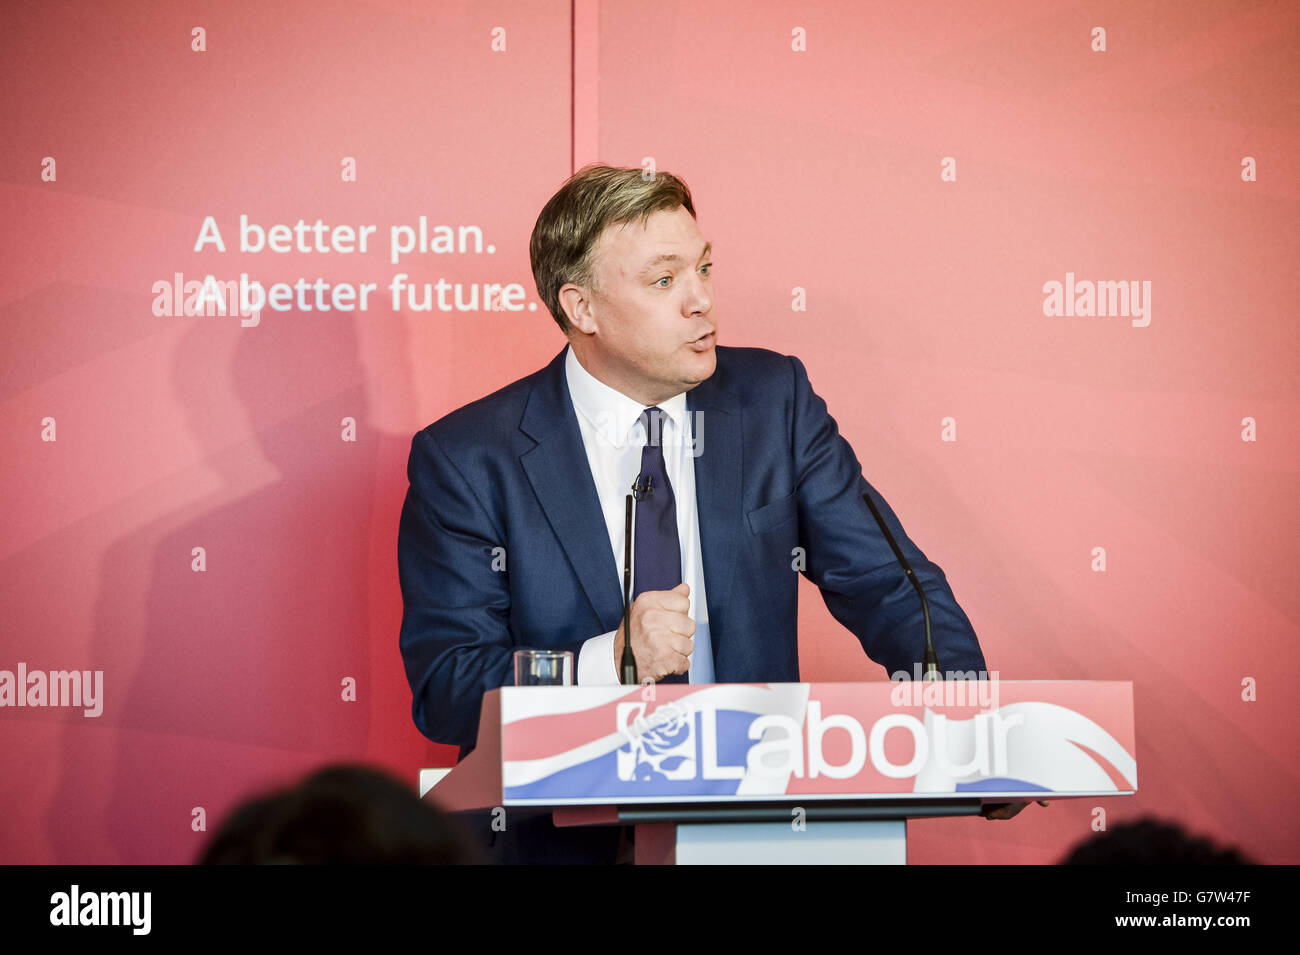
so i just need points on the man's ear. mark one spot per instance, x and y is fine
(577, 304)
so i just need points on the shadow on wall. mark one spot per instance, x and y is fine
(236, 669)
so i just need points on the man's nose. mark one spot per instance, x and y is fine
(700, 299)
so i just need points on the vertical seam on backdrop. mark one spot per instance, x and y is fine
(573, 83)
(584, 77)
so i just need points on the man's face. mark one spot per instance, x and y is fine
(649, 328)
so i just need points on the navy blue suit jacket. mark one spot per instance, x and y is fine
(505, 481)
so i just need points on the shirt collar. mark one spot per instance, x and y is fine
(613, 414)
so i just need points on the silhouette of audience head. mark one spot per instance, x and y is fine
(348, 815)
(1150, 841)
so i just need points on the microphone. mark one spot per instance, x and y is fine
(628, 663)
(643, 487)
(930, 664)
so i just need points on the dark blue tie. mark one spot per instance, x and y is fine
(658, 553)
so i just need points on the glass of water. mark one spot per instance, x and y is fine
(543, 668)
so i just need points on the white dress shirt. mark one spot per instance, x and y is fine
(613, 435)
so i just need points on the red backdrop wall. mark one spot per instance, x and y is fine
(915, 174)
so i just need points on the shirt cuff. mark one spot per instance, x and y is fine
(596, 661)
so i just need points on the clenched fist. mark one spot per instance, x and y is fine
(662, 633)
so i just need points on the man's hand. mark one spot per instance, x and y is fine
(662, 633)
(1004, 810)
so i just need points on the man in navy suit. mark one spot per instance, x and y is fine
(512, 530)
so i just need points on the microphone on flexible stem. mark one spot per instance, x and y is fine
(642, 488)
(930, 665)
(628, 663)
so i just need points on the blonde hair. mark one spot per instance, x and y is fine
(564, 238)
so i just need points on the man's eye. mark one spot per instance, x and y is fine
(666, 278)
(705, 267)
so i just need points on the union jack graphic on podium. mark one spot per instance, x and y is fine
(816, 740)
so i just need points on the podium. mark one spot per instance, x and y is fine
(791, 772)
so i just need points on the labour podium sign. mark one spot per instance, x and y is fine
(727, 754)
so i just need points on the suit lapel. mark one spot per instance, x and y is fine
(716, 417)
(561, 477)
